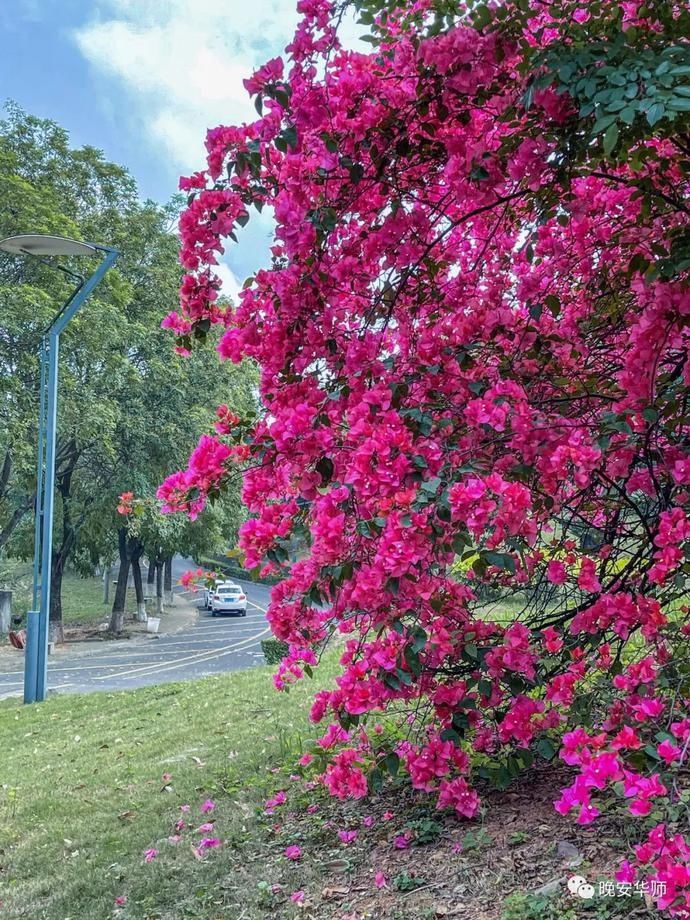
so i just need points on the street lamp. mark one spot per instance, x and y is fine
(46, 247)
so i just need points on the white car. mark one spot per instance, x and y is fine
(228, 597)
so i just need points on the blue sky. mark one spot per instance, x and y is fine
(143, 79)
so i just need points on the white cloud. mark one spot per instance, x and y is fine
(182, 62)
(176, 69)
(230, 281)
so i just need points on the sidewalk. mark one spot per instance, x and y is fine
(180, 616)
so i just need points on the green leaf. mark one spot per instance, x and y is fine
(655, 113)
(546, 749)
(602, 123)
(481, 16)
(392, 763)
(678, 104)
(500, 560)
(610, 138)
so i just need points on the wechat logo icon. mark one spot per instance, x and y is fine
(580, 887)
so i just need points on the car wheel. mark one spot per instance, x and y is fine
(243, 613)
(214, 613)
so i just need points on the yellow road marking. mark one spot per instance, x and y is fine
(197, 658)
(147, 670)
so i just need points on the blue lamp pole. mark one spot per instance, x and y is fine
(37, 630)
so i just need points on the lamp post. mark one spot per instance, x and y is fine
(37, 631)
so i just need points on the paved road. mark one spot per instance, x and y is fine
(209, 646)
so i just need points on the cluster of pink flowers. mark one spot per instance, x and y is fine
(475, 360)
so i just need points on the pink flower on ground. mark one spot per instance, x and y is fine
(387, 816)
(293, 852)
(167, 777)
(297, 897)
(401, 842)
(347, 837)
(368, 821)
(305, 760)
(184, 808)
(175, 838)
(208, 805)
(150, 855)
(205, 828)
(209, 843)
(120, 900)
(312, 809)
(457, 848)
(380, 880)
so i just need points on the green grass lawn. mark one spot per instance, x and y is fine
(82, 796)
(82, 598)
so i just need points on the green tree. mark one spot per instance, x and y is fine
(130, 409)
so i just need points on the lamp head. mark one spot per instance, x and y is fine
(37, 244)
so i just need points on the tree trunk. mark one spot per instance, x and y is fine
(159, 588)
(139, 590)
(151, 577)
(68, 463)
(107, 572)
(57, 570)
(168, 586)
(5, 611)
(117, 617)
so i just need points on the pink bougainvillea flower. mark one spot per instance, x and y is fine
(380, 880)
(347, 837)
(368, 821)
(208, 805)
(293, 852)
(402, 841)
(305, 760)
(473, 349)
(150, 855)
(184, 808)
(297, 897)
(167, 777)
(387, 816)
(174, 838)
(668, 751)
(121, 900)
(205, 828)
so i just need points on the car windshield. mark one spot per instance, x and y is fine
(228, 589)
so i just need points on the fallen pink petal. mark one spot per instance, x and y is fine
(209, 843)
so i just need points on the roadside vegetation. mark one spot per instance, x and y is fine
(92, 789)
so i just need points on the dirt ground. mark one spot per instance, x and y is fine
(514, 864)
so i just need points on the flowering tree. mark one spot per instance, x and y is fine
(473, 342)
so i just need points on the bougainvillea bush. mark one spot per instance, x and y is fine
(473, 342)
